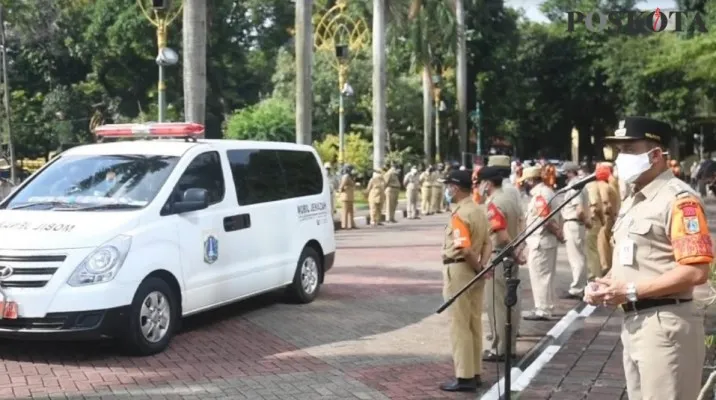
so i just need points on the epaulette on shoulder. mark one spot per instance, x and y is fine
(681, 189)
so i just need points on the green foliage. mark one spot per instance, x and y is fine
(271, 119)
(358, 151)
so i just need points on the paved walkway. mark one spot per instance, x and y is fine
(371, 334)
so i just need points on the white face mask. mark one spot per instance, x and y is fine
(631, 166)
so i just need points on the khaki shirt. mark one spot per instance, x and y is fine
(346, 188)
(610, 200)
(594, 199)
(412, 181)
(503, 213)
(434, 176)
(391, 179)
(468, 227)
(425, 182)
(614, 183)
(658, 228)
(580, 203)
(375, 189)
(538, 208)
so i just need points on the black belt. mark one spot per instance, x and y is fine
(447, 261)
(649, 303)
(574, 220)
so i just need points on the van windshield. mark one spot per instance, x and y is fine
(95, 182)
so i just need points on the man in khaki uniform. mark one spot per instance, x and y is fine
(576, 220)
(376, 196)
(662, 250)
(504, 215)
(346, 189)
(438, 192)
(426, 190)
(610, 206)
(466, 251)
(504, 164)
(392, 190)
(541, 245)
(412, 191)
(596, 213)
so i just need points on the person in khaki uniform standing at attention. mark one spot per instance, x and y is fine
(466, 251)
(594, 266)
(505, 217)
(437, 192)
(663, 249)
(412, 191)
(541, 245)
(376, 196)
(346, 189)
(426, 190)
(392, 190)
(610, 206)
(576, 221)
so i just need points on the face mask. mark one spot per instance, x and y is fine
(448, 195)
(631, 166)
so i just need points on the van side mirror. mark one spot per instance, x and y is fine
(192, 199)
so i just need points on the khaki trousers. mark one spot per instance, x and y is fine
(435, 198)
(497, 311)
(465, 319)
(574, 235)
(663, 352)
(347, 210)
(391, 203)
(593, 262)
(425, 195)
(376, 210)
(604, 246)
(542, 265)
(412, 196)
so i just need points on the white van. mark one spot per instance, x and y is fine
(122, 239)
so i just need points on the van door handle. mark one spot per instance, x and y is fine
(237, 222)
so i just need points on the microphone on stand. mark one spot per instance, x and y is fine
(602, 173)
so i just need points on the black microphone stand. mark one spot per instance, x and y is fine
(505, 256)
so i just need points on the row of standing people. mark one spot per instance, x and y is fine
(663, 249)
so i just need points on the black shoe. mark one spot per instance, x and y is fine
(570, 296)
(491, 356)
(460, 385)
(535, 317)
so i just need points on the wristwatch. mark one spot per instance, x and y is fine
(631, 292)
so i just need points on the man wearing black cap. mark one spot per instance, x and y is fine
(663, 249)
(466, 250)
(504, 216)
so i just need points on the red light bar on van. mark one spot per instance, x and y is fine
(159, 129)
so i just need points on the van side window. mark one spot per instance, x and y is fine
(204, 172)
(257, 176)
(302, 172)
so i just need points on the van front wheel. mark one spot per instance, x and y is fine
(152, 319)
(307, 280)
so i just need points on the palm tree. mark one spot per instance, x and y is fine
(379, 83)
(461, 55)
(431, 24)
(194, 65)
(304, 60)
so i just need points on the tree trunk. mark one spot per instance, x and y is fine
(194, 65)
(427, 115)
(461, 75)
(379, 84)
(304, 60)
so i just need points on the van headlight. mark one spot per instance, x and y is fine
(103, 263)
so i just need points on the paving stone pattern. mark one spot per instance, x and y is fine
(371, 334)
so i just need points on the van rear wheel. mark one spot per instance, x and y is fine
(307, 279)
(152, 318)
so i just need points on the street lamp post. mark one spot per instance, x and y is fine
(436, 94)
(344, 36)
(161, 18)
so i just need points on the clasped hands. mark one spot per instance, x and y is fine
(605, 291)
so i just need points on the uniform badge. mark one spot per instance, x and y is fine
(211, 249)
(691, 225)
(621, 131)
